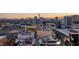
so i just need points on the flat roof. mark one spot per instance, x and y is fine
(66, 32)
(63, 31)
(76, 30)
(1, 37)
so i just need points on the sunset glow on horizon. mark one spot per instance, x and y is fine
(31, 15)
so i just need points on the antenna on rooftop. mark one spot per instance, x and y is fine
(39, 15)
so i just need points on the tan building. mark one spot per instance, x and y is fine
(4, 41)
(41, 33)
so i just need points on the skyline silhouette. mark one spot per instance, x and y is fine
(31, 15)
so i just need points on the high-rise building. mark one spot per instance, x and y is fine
(75, 21)
(75, 18)
(68, 21)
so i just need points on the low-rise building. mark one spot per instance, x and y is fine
(41, 33)
(26, 38)
(4, 41)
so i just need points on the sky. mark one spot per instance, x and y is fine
(31, 15)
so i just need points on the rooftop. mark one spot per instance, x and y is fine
(1, 37)
(63, 31)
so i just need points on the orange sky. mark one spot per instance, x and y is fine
(24, 15)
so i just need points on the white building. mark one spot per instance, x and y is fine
(26, 36)
(23, 36)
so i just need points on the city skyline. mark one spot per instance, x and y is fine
(31, 15)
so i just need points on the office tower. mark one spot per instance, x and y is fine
(75, 20)
(68, 21)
